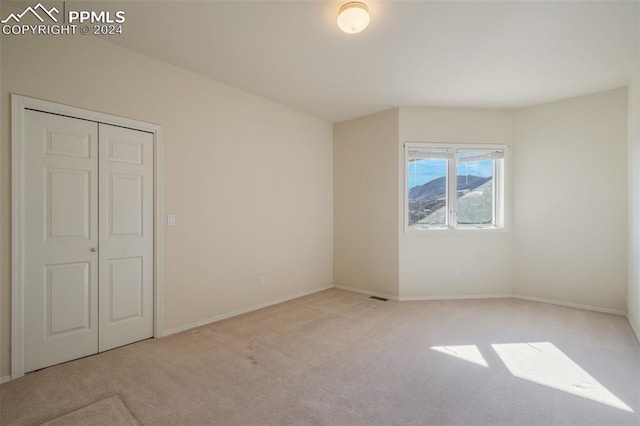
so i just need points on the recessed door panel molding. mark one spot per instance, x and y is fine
(125, 205)
(68, 203)
(126, 289)
(68, 298)
(70, 145)
(86, 233)
(125, 151)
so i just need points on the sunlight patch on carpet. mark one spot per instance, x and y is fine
(469, 353)
(543, 363)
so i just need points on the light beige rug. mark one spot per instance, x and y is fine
(110, 411)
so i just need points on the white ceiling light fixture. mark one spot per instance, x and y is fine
(353, 17)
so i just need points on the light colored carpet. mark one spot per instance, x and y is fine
(340, 358)
(109, 411)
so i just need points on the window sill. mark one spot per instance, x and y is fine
(463, 230)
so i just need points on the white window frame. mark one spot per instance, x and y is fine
(499, 188)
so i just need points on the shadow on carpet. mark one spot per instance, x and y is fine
(110, 411)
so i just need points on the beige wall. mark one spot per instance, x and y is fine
(570, 200)
(365, 176)
(633, 290)
(429, 260)
(250, 181)
(581, 260)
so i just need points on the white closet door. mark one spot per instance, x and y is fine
(61, 237)
(126, 236)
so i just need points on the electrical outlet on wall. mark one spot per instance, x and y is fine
(260, 280)
(457, 275)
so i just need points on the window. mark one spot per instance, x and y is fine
(454, 186)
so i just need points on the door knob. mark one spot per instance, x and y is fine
(94, 249)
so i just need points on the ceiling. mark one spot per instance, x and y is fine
(504, 54)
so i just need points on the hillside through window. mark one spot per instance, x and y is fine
(454, 187)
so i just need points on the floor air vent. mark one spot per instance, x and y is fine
(378, 298)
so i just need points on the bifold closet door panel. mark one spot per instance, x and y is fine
(126, 236)
(60, 239)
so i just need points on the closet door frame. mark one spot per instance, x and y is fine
(19, 104)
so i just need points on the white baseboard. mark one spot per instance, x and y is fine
(456, 297)
(241, 311)
(367, 292)
(5, 379)
(570, 305)
(489, 296)
(634, 328)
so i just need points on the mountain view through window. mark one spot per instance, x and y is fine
(427, 179)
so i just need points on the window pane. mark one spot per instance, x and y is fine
(427, 191)
(475, 190)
